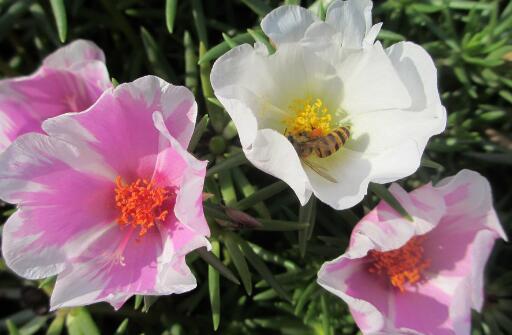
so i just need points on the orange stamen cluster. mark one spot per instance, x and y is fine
(141, 203)
(403, 265)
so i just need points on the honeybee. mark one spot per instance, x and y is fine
(322, 146)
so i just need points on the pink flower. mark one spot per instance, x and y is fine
(421, 277)
(70, 80)
(109, 200)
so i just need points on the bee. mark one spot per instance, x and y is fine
(321, 146)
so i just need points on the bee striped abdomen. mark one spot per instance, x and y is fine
(329, 144)
(343, 133)
(323, 146)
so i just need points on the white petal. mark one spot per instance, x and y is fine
(418, 73)
(371, 82)
(298, 73)
(287, 24)
(319, 31)
(394, 140)
(352, 19)
(396, 163)
(376, 132)
(234, 76)
(371, 35)
(350, 169)
(322, 39)
(273, 153)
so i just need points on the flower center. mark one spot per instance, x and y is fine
(141, 203)
(402, 266)
(311, 116)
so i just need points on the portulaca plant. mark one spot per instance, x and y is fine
(112, 193)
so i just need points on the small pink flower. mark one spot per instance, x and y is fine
(109, 200)
(421, 277)
(70, 80)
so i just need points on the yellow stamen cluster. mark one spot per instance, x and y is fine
(310, 116)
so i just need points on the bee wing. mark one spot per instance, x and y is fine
(320, 171)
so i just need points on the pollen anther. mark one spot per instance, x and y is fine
(402, 266)
(141, 204)
(310, 116)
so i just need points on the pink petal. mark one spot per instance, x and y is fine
(481, 250)
(179, 240)
(26, 102)
(99, 274)
(120, 263)
(449, 250)
(61, 202)
(70, 80)
(425, 310)
(126, 136)
(367, 298)
(388, 230)
(469, 194)
(471, 214)
(189, 202)
(74, 53)
(424, 204)
(439, 306)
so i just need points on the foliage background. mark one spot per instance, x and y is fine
(274, 263)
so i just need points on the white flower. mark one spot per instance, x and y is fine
(386, 98)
